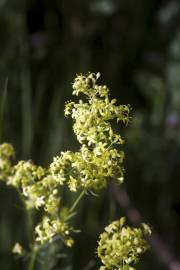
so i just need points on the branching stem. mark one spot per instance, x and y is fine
(77, 201)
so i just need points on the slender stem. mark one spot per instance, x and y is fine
(33, 260)
(77, 201)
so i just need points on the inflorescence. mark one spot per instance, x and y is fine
(120, 246)
(98, 160)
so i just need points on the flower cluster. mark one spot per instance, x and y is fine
(88, 169)
(51, 227)
(120, 246)
(6, 153)
(40, 190)
(98, 158)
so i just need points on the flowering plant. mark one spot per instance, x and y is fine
(98, 160)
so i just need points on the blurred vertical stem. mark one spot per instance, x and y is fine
(25, 84)
(2, 108)
(32, 261)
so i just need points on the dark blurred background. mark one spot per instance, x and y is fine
(135, 45)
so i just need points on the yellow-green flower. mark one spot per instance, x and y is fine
(120, 246)
(98, 159)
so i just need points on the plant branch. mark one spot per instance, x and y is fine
(77, 201)
(33, 259)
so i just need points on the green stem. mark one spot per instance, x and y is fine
(77, 201)
(33, 260)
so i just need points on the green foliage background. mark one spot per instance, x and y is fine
(135, 45)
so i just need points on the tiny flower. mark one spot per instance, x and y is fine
(17, 249)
